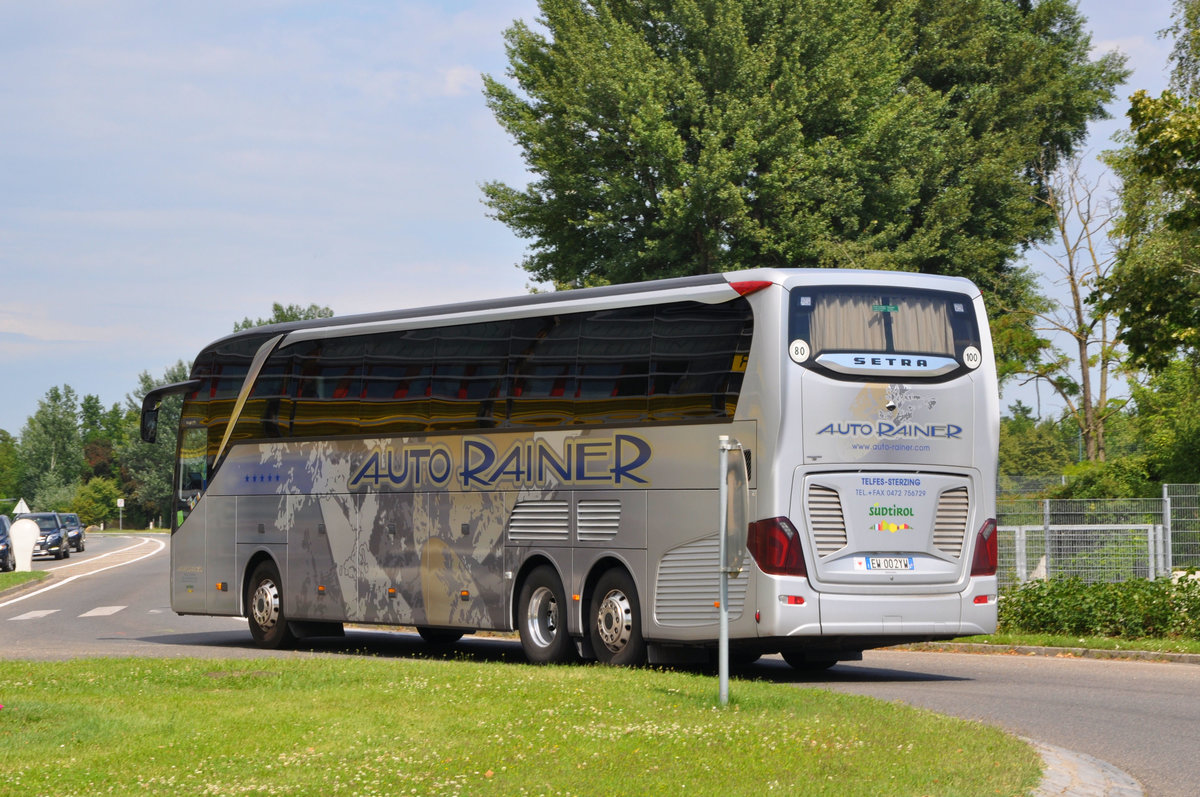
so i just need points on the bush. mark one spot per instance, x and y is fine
(1132, 609)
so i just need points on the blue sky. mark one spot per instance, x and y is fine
(167, 169)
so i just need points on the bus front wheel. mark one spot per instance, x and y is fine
(264, 608)
(542, 621)
(616, 621)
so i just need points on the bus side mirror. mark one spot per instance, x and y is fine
(149, 425)
(153, 400)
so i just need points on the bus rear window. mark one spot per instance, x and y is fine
(880, 331)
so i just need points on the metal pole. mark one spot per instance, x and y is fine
(1046, 534)
(723, 639)
(1167, 523)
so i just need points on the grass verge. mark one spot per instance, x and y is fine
(16, 579)
(371, 726)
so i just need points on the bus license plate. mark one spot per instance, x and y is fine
(890, 563)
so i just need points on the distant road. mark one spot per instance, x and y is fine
(112, 600)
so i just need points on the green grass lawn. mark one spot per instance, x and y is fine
(15, 579)
(358, 725)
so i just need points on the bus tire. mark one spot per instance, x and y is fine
(542, 621)
(616, 621)
(264, 608)
(439, 636)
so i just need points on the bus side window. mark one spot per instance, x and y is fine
(543, 365)
(193, 471)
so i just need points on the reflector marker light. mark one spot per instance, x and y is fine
(222, 586)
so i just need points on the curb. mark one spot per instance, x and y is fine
(1060, 653)
(28, 586)
(1080, 775)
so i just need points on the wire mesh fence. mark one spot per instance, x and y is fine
(1099, 539)
(1183, 522)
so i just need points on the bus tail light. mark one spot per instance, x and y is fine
(987, 550)
(775, 545)
(747, 287)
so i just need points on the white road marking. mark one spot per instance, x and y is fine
(37, 615)
(91, 558)
(102, 611)
(158, 546)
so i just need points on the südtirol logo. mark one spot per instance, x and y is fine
(890, 511)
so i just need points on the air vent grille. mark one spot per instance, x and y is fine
(598, 520)
(826, 519)
(950, 528)
(539, 521)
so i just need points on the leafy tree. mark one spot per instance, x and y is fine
(280, 314)
(1168, 422)
(102, 431)
(1166, 135)
(1127, 477)
(52, 495)
(1155, 287)
(10, 469)
(1154, 290)
(1166, 130)
(96, 501)
(672, 137)
(51, 447)
(1033, 454)
(147, 469)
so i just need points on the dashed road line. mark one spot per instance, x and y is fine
(102, 611)
(34, 615)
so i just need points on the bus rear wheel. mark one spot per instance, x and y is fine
(264, 608)
(616, 621)
(542, 622)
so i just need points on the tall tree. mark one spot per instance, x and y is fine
(1155, 287)
(280, 314)
(10, 469)
(51, 447)
(671, 137)
(102, 431)
(1085, 372)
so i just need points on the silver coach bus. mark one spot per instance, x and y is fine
(548, 464)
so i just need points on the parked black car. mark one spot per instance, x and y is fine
(8, 559)
(52, 539)
(75, 532)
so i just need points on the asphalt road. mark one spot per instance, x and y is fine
(1143, 717)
